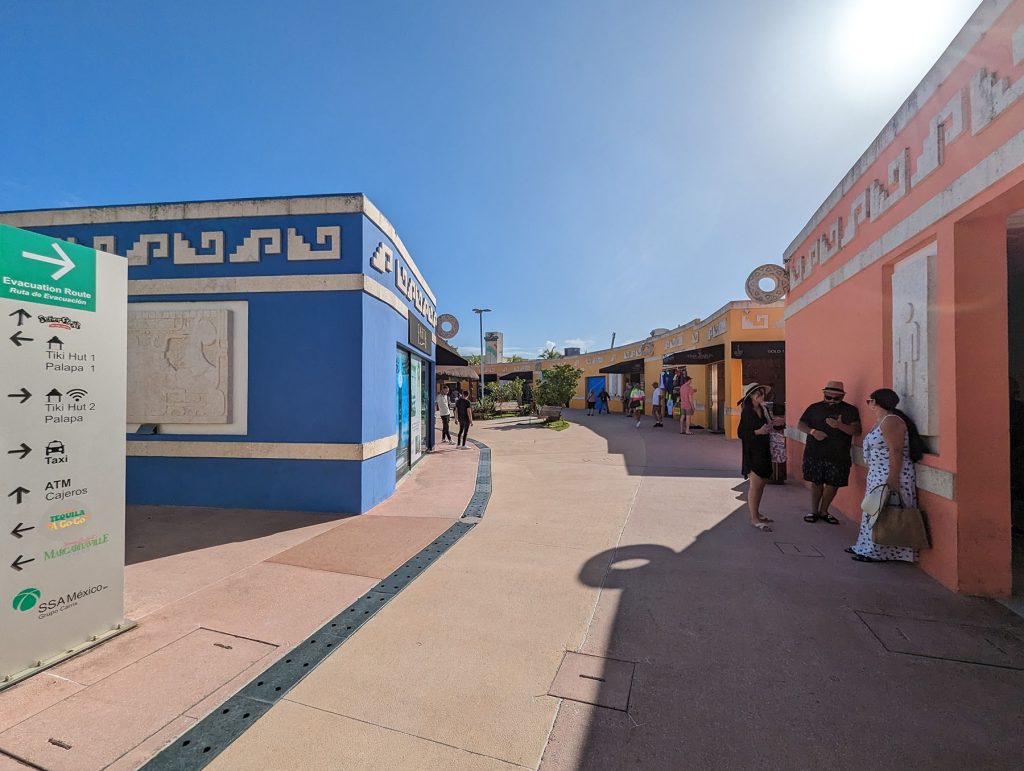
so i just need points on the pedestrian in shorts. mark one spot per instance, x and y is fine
(830, 426)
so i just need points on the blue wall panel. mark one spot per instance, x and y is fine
(246, 483)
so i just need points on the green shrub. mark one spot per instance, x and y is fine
(557, 386)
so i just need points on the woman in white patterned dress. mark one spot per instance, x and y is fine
(890, 449)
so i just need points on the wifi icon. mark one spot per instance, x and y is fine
(77, 393)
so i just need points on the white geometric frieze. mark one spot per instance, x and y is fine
(185, 254)
(897, 185)
(859, 211)
(299, 248)
(249, 250)
(382, 260)
(140, 252)
(179, 366)
(106, 244)
(943, 129)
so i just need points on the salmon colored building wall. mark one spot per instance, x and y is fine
(739, 321)
(952, 164)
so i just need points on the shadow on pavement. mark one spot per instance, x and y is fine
(750, 653)
(152, 532)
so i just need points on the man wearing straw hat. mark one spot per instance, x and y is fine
(830, 426)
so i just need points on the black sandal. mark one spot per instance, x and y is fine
(830, 519)
(811, 518)
(862, 558)
(849, 550)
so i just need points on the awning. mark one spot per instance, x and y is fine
(708, 355)
(518, 376)
(762, 349)
(448, 355)
(628, 367)
(453, 372)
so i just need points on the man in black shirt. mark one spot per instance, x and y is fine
(464, 410)
(830, 426)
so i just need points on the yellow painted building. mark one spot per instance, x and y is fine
(742, 342)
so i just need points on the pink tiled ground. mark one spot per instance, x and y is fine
(219, 594)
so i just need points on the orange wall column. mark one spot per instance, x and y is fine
(982, 414)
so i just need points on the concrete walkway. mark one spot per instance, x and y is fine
(744, 649)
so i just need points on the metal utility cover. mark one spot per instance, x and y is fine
(942, 640)
(594, 680)
(798, 550)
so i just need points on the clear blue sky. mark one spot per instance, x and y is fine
(582, 167)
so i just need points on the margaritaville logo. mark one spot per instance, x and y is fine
(77, 546)
(68, 519)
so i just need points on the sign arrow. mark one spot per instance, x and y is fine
(19, 529)
(22, 315)
(25, 450)
(64, 261)
(17, 338)
(19, 561)
(24, 395)
(19, 491)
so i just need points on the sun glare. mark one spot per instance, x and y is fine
(884, 45)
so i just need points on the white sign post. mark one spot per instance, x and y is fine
(63, 350)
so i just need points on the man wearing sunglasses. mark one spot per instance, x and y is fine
(830, 426)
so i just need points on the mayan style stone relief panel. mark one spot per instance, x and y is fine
(913, 340)
(179, 366)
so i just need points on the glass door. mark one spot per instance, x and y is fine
(402, 417)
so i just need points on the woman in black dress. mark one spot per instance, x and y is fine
(754, 430)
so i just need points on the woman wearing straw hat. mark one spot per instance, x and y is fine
(755, 426)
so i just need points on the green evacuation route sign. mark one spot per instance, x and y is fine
(41, 269)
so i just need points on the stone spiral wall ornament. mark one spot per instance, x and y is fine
(647, 349)
(776, 273)
(447, 326)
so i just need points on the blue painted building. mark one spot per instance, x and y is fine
(281, 351)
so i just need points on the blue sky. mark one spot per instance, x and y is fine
(582, 167)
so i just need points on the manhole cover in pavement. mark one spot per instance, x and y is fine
(943, 640)
(798, 550)
(594, 680)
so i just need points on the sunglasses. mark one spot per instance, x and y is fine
(833, 398)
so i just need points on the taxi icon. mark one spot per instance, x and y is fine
(55, 447)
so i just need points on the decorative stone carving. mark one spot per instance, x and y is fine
(105, 244)
(775, 273)
(942, 130)
(897, 185)
(754, 321)
(447, 326)
(184, 254)
(259, 241)
(327, 237)
(179, 366)
(913, 360)
(140, 252)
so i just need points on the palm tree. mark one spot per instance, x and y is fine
(550, 353)
(473, 359)
(515, 357)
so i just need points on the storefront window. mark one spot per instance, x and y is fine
(402, 418)
(416, 412)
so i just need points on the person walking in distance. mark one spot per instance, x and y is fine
(602, 401)
(686, 396)
(830, 426)
(636, 402)
(464, 410)
(445, 410)
(591, 401)
(658, 404)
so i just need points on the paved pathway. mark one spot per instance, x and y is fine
(747, 650)
(751, 650)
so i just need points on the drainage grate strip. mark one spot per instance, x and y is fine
(214, 733)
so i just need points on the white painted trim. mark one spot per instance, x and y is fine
(265, 450)
(1006, 160)
(253, 207)
(936, 481)
(344, 282)
(979, 23)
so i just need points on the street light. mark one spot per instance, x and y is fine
(480, 312)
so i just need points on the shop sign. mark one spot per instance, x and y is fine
(775, 349)
(708, 355)
(419, 336)
(718, 328)
(63, 373)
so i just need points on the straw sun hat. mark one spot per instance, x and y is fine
(749, 388)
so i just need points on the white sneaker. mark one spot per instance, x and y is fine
(638, 424)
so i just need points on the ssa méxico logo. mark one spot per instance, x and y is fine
(26, 599)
